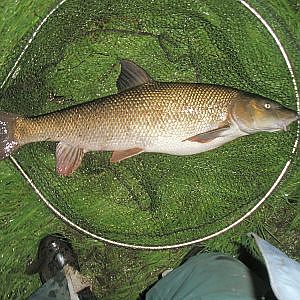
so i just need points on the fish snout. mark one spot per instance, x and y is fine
(287, 117)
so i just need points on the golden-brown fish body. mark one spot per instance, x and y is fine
(157, 117)
(146, 116)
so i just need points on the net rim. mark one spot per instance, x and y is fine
(189, 243)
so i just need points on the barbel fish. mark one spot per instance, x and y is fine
(146, 116)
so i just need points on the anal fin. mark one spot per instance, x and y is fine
(68, 158)
(124, 154)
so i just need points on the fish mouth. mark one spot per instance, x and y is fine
(284, 125)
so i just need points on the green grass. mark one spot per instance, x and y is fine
(146, 199)
(24, 220)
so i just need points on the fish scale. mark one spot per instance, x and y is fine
(177, 110)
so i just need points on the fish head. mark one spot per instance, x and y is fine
(255, 113)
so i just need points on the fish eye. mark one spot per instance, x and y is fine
(267, 105)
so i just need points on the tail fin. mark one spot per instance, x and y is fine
(8, 143)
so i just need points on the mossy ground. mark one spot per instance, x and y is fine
(78, 60)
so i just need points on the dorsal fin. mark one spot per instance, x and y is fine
(131, 76)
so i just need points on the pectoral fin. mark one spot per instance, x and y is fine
(68, 158)
(208, 136)
(124, 154)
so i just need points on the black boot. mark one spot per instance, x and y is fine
(54, 252)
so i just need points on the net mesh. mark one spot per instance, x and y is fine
(152, 199)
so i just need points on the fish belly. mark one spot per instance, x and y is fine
(169, 146)
(162, 144)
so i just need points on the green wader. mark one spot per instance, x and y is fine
(209, 276)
